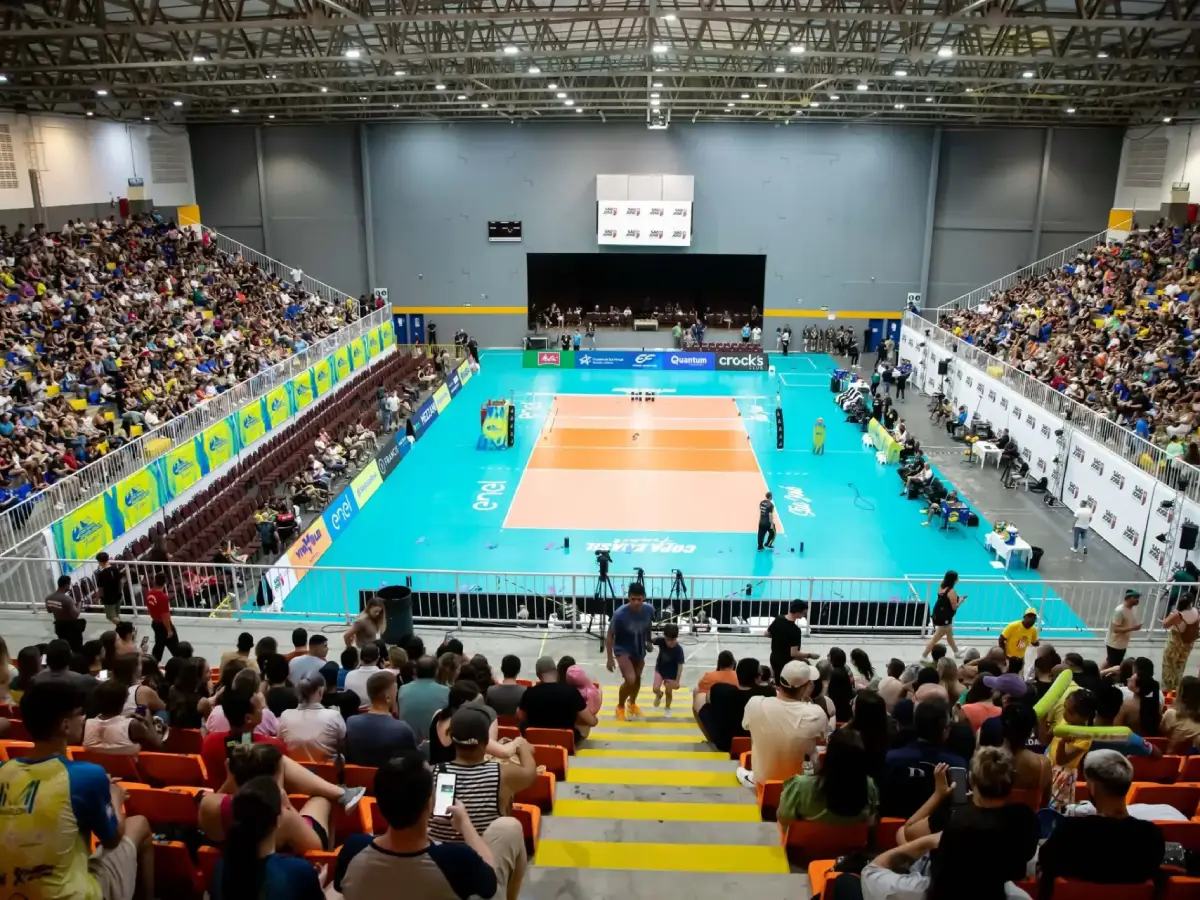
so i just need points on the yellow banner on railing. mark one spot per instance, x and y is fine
(278, 407)
(302, 389)
(341, 363)
(85, 531)
(358, 353)
(219, 445)
(137, 498)
(183, 468)
(322, 377)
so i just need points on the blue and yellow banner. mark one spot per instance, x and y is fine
(387, 336)
(441, 398)
(341, 363)
(358, 353)
(85, 532)
(182, 467)
(464, 371)
(251, 424)
(883, 441)
(278, 407)
(322, 377)
(366, 483)
(136, 498)
(373, 342)
(219, 442)
(302, 389)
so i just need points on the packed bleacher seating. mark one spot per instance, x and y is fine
(112, 328)
(1020, 772)
(1113, 330)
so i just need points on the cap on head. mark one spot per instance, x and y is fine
(796, 674)
(1132, 592)
(470, 725)
(1011, 684)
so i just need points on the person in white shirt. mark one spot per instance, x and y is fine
(1083, 522)
(368, 665)
(1124, 623)
(785, 729)
(312, 732)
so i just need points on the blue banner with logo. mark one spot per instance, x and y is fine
(618, 359)
(394, 450)
(453, 382)
(340, 513)
(684, 361)
(424, 417)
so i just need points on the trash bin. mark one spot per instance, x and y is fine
(1035, 556)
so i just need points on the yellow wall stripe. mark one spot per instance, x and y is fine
(655, 810)
(459, 310)
(736, 859)
(652, 777)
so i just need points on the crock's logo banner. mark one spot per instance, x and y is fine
(748, 361)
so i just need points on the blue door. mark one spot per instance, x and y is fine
(416, 328)
(400, 326)
(893, 330)
(876, 326)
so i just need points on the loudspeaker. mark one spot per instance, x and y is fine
(1187, 535)
(512, 424)
(778, 428)
(943, 366)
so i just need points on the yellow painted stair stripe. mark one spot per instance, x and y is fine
(657, 811)
(663, 724)
(652, 777)
(645, 737)
(651, 754)
(731, 858)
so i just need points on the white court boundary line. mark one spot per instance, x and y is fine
(784, 376)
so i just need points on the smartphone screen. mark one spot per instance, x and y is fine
(960, 778)
(443, 794)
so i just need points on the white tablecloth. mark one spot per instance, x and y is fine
(1005, 551)
(984, 449)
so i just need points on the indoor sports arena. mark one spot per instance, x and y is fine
(599, 450)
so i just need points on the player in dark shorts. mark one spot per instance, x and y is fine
(766, 522)
(944, 609)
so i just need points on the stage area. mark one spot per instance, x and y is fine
(669, 484)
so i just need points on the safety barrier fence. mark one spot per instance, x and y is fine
(725, 605)
(1125, 443)
(40, 510)
(1050, 263)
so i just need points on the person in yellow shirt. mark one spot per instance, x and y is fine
(1017, 637)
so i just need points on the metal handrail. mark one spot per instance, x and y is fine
(42, 509)
(1034, 269)
(1117, 438)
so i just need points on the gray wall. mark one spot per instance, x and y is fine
(839, 211)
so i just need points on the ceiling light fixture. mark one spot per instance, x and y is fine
(3, 79)
(657, 84)
(439, 87)
(235, 110)
(177, 103)
(1070, 110)
(970, 90)
(101, 92)
(272, 76)
(1028, 73)
(669, 17)
(395, 106)
(484, 105)
(835, 96)
(462, 96)
(862, 86)
(1101, 55)
(324, 90)
(761, 84)
(729, 106)
(745, 96)
(654, 96)
(898, 106)
(928, 99)
(945, 52)
(902, 73)
(1166, 120)
(399, 73)
(796, 48)
(362, 98)
(781, 69)
(815, 104)
(561, 95)
(353, 53)
(271, 116)
(198, 58)
(534, 70)
(511, 50)
(145, 118)
(655, 102)
(579, 109)
(568, 103)
(89, 114)
(552, 86)
(659, 48)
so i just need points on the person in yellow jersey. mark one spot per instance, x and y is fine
(1017, 637)
(51, 807)
(819, 437)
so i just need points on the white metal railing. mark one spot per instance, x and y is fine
(1127, 444)
(41, 509)
(724, 604)
(1034, 269)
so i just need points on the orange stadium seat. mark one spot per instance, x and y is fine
(820, 878)
(1191, 768)
(360, 776)
(509, 732)
(206, 864)
(170, 769)
(1161, 770)
(1070, 889)
(174, 872)
(1184, 797)
(326, 770)
(121, 766)
(183, 740)
(552, 737)
(553, 758)
(376, 823)
(508, 722)
(540, 793)
(1186, 834)
(13, 749)
(530, 818)
(768, 793)
(885, 832)
(16, 731)
(739, 746)
(1181, 887)
(162, 806)
(814, 840)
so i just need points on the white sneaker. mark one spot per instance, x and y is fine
(1073, 550)
(666, 713)
(746, 778)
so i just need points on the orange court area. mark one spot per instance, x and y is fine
(676, 464)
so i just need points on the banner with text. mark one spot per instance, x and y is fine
(644, 223)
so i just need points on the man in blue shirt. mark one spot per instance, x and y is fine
(51, 807)
(628, 638)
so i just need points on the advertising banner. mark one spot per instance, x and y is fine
(278, 408)
(366, 483)
(322, 377)
(358, 353)
(645, 223)
(742, 361)
(302, 389)
(182, 467)
(465, 372)
(218, 441)
(618, 359)
(310, 546)
(387, 336)
(340, 513)
(251, 423)
(546, 359)
(341, 363)
(441, 397)
(1120, 490)
(373, 343)
(453, 382)
(84, 532)
(883, 441)
(1154, 561)
(137, 497)
(424, 417)
(688, 361)
(281, 581)
(394, 450)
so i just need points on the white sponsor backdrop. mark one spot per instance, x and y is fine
(1129, 513)
(1121, 491)
(644, 223)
